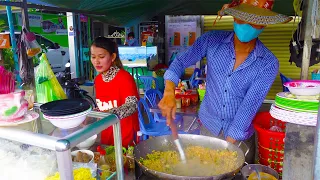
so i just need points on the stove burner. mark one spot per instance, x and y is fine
(141, 176)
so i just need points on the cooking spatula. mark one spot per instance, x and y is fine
(177, 142)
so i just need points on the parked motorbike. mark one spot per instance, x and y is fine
(72, 86)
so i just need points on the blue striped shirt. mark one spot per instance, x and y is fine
(232, 97)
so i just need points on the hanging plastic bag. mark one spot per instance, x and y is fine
(25, 63)
(47, 86)
(32, 46)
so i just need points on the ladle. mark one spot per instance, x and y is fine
(177, 142)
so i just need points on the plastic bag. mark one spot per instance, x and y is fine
(47, 86)
(25, 63)
(276, 129)
(32, 46)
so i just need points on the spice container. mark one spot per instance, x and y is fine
(189, 97)
(178, 102)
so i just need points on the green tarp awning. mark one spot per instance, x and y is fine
(130, 12)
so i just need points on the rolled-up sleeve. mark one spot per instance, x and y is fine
(240, 126)
(194, 54)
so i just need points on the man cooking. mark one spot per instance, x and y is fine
(240, 72)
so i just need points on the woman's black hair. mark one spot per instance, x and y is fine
(131, 34)
(110, 46)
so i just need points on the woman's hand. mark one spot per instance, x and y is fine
(167, 104)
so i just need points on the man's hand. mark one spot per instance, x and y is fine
(231, 140)
(167, 104)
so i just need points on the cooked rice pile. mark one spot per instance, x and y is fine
(200, 162)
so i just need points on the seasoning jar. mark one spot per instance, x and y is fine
(185, 102)
(178, 102)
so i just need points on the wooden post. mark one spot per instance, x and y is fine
(299, 141)
(317, 29)
(307, 30)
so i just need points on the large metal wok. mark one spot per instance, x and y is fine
(164, 143)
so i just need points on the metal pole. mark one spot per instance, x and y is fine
(65, 165)
(118, 150)
(27, 137)
(79, 29)
(24, 15)
(316, 159)
(307, 39)
(13, 40)
(73, 46)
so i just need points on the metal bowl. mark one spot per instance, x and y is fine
(250, 168)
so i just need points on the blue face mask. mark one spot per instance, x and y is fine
(245, 32)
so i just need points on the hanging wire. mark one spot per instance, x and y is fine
(298, 28)
(314, 17)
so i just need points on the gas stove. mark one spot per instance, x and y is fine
(141, 176)
(145, 177)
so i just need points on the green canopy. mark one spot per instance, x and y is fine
(130, 12)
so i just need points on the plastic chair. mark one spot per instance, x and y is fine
(152, 128)
(153, 97)
(147, 82)
(192, 81)
(284, 79)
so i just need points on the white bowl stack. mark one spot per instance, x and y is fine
(300, 106)
(70, 121)
(68, 115)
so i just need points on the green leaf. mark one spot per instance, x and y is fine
(11, 111)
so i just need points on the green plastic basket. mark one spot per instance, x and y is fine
(201, 92)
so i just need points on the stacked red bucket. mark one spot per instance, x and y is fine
(271, 134)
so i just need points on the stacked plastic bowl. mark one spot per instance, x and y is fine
(66, 114)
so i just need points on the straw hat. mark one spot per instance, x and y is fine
(257, 12)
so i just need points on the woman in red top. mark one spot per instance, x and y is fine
(116, 91)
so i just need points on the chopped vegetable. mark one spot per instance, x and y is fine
(111, 150)
(200, 161)
(78, 174)
(130, 151)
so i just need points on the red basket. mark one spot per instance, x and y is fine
(273, 154)
(270, 143)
